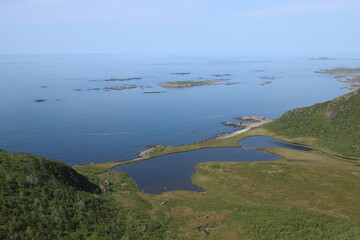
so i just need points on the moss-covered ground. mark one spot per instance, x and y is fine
(306, 195)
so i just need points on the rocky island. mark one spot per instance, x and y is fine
(245, 121)
(323, 58)
(120, 87)
(265, 83)
(339, 70)
(122, 79)
(346, 73)
(181, 84)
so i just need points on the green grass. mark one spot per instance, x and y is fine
(334, 123)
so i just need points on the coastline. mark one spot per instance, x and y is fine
(248, 128)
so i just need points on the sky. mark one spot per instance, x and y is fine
(148, 26)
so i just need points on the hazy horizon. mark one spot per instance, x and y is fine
(316, 27)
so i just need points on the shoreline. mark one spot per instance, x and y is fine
(248, 128)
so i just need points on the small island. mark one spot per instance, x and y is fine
(120, 87)
(323, 58)
(222, 75)
(246, 121)
(155, 92)
(339, 70)
(122, 79)
(265, 83)
(181, 84)
(267, 77)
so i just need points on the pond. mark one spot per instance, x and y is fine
(173, 171)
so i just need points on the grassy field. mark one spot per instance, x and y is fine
(307, 195)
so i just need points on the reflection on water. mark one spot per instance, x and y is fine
(262, 141)
(174, 171)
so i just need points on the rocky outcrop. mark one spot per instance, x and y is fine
(323, 58)
(122, 79)
(251, 118)
(265, 83)
(181, 84)
(120, 87)
(352, 86)
(339, 70)
(236, 124)
(155, 92)
(222, 75)
(146, 153)
(267, 77)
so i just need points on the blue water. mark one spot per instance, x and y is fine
(262, 141)
(95, 126)
(173, 172)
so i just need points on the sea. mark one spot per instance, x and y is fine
(81, 122)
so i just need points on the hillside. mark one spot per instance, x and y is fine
(46, 199)
(335, 124)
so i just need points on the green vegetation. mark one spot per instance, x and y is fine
(46, 199)
(308, 195)
(335, 124)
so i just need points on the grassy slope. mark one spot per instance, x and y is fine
(46, 199)
(334, 123)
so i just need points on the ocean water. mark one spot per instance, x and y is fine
(84, 126)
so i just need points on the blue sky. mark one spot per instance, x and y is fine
(242, 26)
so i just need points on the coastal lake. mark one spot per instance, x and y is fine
(173, 171)
(80, 122)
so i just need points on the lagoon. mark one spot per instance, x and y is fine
(173, 171)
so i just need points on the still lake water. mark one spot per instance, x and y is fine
(84, 126)
(173, 171)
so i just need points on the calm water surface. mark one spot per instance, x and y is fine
(95, 125)
(262, 141)
(174, 171)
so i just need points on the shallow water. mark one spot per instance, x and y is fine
(263, 141)
(95, 125)
(173, 171)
